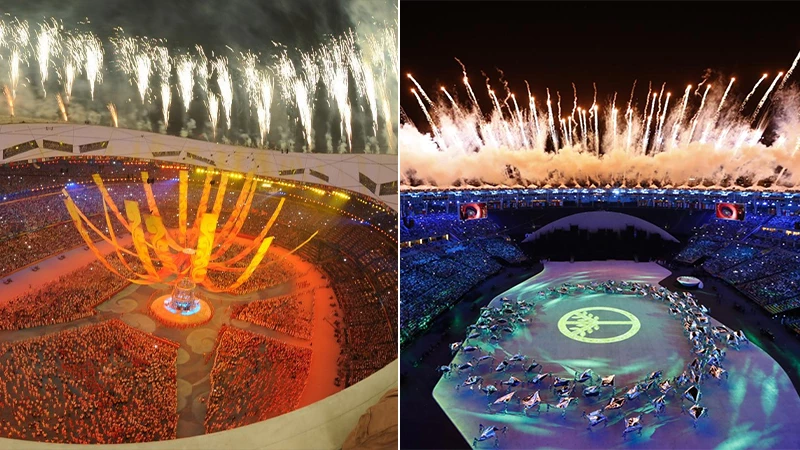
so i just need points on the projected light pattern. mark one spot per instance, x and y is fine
(710, 136)
(757, 407)
(581, 323)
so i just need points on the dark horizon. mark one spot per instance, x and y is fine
(553, 44)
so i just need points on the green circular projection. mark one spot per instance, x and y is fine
(580, 323)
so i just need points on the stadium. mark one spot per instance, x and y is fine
(524, 245)
(191, 248)
(589, 271)
(312, 323)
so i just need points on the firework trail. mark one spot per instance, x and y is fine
(452, 101)
(677, 126)
(47, 44)
(386, 64)
(596, 130)
(629, 128)
(225, 85)
(72, 54)
(471, 94)
(789, 72)
(264, 104)
(92, 60)
(213, 112)
(500, 113)
(574, 100)
(133, 59)
(550, 121)
(17, 40)
(364, 77)
(699, 110)
(660, 130)
(422, 91)
(185, 67)
(113, 110)
(295, 90)
(764, 98)
(61, 107)
(248, 63)
(647, 103)
(585, 128)
(163, 65)
(9, 100)
(520, 122)
(202, 67)
(558, 104)
(259, 92)
(428, 116)
(763, 77)
(310, 77)
(614, 128)
(646, 136)
(534, 113)
(335, 72)
(724, 96)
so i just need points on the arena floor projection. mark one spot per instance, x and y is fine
(573, 339)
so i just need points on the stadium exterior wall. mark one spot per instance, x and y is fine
(374, 175)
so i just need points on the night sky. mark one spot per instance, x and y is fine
(612, 44)
(213, 24)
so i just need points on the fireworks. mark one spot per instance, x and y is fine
(72, 57)
(133, 58)
(17, 39)
(225, 85)
(61, 107)
(295, 89)
(367, 61)
(47, 44)
(9, 100)
(185, 66)
(763, 77)
(703, 137)
(766, 95)
(263, 106)
(93, 60)
(213, 111)
(113, 110)
(163, 66)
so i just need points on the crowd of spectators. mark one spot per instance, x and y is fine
(254, 378)
(26, 179)
(284, 314)
(70, 297)
(353, 251)
(757, 256)
(106, 383)
(361, 266)
(731, 230)
(730, 256)
(440, 224)
(434, 276)
(272, 271)
(773, 261)
(35, 228)
(697, 249)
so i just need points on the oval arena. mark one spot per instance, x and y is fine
(87, 356)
